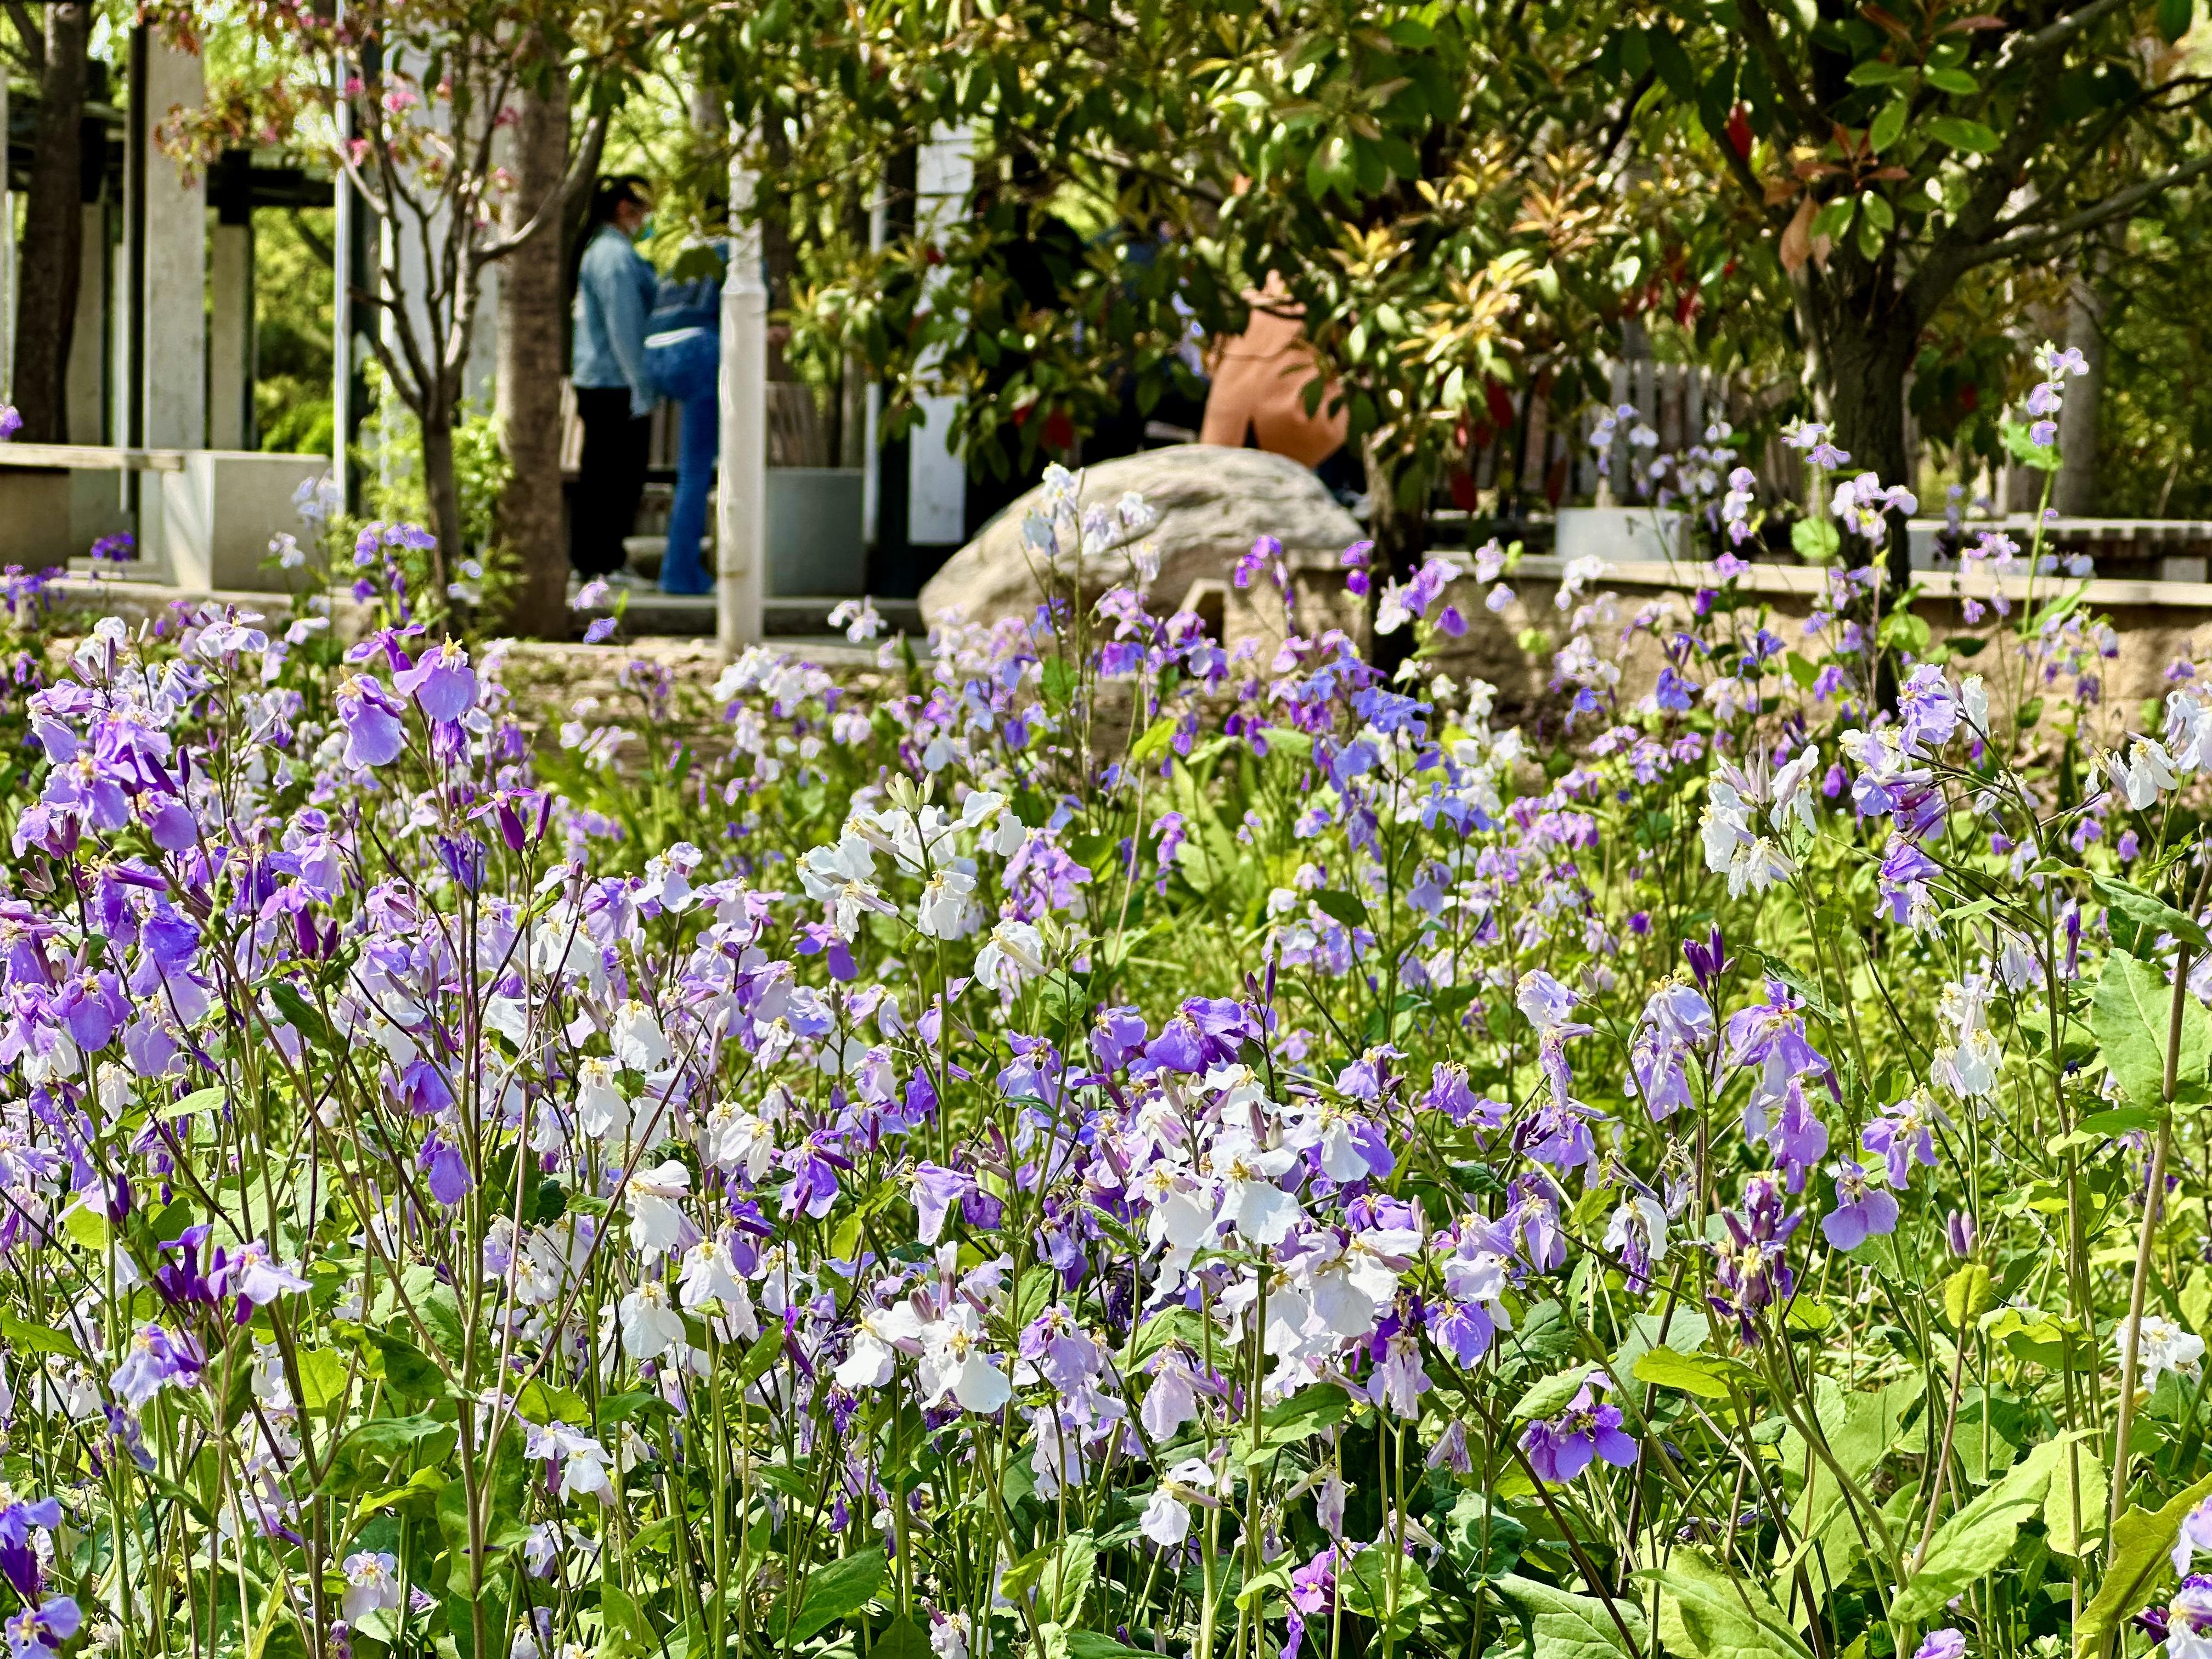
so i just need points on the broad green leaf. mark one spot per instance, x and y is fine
(322, 1378)
(2074, 1504)
(1341, 907)
(1154, 739)
(1967, 1295)
(625, 1634)
(200, 1100)
(1962, 134)
(1975, 1541)
(2138, 1556)
(833, 1592)
(1709, 1376)
(1370, 1590)
(406, 1367)
(2130, 1013)
(2148, 911)
(26, 1338)
(1816, 540)
(1860, 1431)
(1566, 1625)
(1081, 1645)
(1704, 1613)
(904, 1640)
(1548, 1396)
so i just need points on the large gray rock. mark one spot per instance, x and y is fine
(1213, 503)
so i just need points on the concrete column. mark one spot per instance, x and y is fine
(936, 478)
(741, 500)
(175, 371)
(230, 336)
(88, 363)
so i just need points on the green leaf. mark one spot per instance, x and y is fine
(836, 1591)
(2128, 1014)
(1369, 1590)
(1961, 134)
(1060, 679)
(1889, 125)
(323, 1377)
(1154, 739)
(2148, 911)
(1956, 82)
(2074, 1506)
(1705, 1615)
(1967, 1295)
(409, 1370)
(1547, 1396)
(1976, 1540)
(766, 1349)
(625, 1634)
(904, 1640)
(1674, 65)
(1081, 1645)
(2140, 1545)
(26, 1338)
(1566, 1625)
(300, 1013)
(1816, 540)
(1707, 1375)
(1873, 72)
(1341, 907)
(200, 1100)
(2174, 17)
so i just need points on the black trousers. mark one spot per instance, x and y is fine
(609, 481)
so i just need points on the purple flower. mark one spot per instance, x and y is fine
(38, 1632)
(18, 1559)
(1864, 1209)
(1563, 1447)
(1709, 961)
(156, 1360)
(370, 714)
(450, 1181)
(1945, 1643)
(11, 422)
(1750, 1271)
(1901, 1137)
(1116, 1037)
(936, 1190)
(600, 631)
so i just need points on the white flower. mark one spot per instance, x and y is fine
(657, 1226)
(649, 1326)
(637, 1040)
(1167, 1514)
(710, 1278)
(875, 1350)
(1014, 955)
(2166, 1347)
(371, 1581)
(1260, 1212)
(582, 1460)
(2188, 732)
(601, 1109)
(2145, 775)
(948, 907)
(954, 1362)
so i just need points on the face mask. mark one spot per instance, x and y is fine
(645, 227)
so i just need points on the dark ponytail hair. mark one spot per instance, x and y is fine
(613, 192)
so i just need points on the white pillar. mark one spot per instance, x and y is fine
(341, 284)
(174, 372)
(88, 361)
(7, 261)
(741, 498)
(230, 335)
(936, 478)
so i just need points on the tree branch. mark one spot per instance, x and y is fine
(2117, 205)
(580, 166)
(1758, 31)
(34, 37)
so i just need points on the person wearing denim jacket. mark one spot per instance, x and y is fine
(615, 393)
(683, 355)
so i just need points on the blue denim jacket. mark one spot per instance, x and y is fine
(615, 291)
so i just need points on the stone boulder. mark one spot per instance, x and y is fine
(1213, 503)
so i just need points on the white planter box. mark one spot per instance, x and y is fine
(1619, 533)
(209, 525)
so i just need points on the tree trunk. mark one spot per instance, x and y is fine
(2075, 492)
(442, 486)
(532, 357)
(1864, 347)
(53, 231)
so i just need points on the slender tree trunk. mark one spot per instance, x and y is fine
(532, 355)
(1865, 351)
(442, 485)
(53, 230)
(2075, 490)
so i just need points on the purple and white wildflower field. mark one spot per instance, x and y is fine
(1096, 1145)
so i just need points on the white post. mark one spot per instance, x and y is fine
(6, 266)
(872, 457)
(741, 501)
(937, 476)
(341, 293)
(175, 299)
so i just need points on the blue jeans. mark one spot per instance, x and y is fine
(687, 367)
